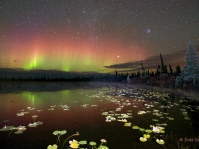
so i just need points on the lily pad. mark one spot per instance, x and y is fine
(39, 123)
(142, 139)
(57, 132)
(7, 128)
(141, 129)
(170, 118)
(146, 136)
(161, 142)
(92, 143)
(102, 147)
(148, 130)
(127, 124)
(186, 118)
(83, 142)
(110, 114)
(113, 118)
(52, 147)
(34, 116)
(63, 132)
(18, 132)
(162, 131)
(104, 113)
(135, 127)
(32, 125)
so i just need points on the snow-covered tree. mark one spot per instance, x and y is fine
(128, 79)
(190, 72)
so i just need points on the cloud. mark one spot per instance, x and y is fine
(173, 59)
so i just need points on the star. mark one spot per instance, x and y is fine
(148, 31)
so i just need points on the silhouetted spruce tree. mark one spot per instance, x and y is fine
(138, 74)
(162, 65)
(165, 69)
(152, 73)
(143, 70)
(127, 74)
(148, 72)
(178, 69)
(170, 69)
(157, 72)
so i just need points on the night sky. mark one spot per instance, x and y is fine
(94, 35)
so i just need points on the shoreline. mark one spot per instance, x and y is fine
(44, 86)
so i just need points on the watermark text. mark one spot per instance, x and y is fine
(189, 140)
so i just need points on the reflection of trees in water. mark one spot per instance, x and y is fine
(193, 112)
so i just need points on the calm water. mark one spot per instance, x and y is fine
(97, 113)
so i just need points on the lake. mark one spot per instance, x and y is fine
(116, 116)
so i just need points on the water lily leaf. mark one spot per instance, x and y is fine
(162, 131)
(155, 111)
(142, 139)
(34, 116)
(155, 120)
(102, 147)
(113, 118)
(83, 142)
(63, 132)
(32, 125)
(170, 118)
(117, 114)
(127, 124)
(186, 118)
(20, 114)
(39, 123)
(110, 114)
(159, 115)
(7, 128)
(161, 142)
(55, 132)
(135, 127)
(146, 136)
(148, 130)
(111, 111)
(141, 129)
(52, 147)
(18, 132)
(104, 113)
(92, 143)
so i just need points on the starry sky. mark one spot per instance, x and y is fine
(94, 35)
